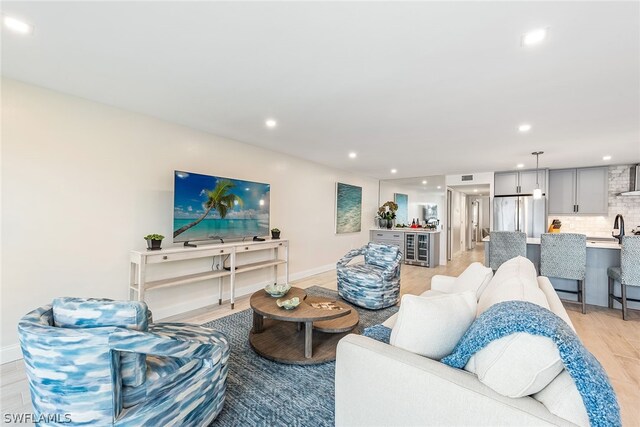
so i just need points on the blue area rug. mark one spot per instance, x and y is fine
(265, 393)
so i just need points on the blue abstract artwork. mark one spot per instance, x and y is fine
(402, 215)
(348, 208)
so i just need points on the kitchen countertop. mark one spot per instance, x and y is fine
(597, 242)
(407, 230)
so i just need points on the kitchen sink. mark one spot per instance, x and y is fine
(602, 239)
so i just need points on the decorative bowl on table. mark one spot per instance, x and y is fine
(288, 304)
(277, 291)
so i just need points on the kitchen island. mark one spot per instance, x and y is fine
(601, 254)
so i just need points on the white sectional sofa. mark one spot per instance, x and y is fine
(378, 384)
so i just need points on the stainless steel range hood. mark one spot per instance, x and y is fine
(634, 182)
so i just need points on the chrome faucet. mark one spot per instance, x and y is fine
(618, 224)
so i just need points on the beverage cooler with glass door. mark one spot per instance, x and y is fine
(422, 248)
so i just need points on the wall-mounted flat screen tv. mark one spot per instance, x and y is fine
(215, 208)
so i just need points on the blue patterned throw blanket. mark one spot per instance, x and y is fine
(511, 317)
(378, 332)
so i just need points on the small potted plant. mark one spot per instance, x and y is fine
(154, 241)
(275, 233)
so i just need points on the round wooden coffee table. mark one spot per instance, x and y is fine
(302, 336)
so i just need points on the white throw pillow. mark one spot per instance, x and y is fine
(517, 365)
(520, 364)
(475, 278)
(516, 279)
(562, 398)
(433, 326)
(391, 321)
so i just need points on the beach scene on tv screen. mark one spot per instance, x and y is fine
(211, 208)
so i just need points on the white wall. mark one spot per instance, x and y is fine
(457, 222)
(83, 182)
(485, 203)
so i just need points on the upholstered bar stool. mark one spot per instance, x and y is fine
(628, 274)
(504, 245)
(564, 256)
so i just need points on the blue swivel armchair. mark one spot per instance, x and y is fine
(374, 284)
(100, 362)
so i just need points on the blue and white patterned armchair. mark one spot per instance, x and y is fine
(99, 362)
(374, 284)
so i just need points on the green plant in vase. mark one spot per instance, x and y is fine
(154, 241)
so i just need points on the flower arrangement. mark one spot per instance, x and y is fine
(388, 210)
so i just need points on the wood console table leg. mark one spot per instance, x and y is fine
(141, 281)
(132, 280)
(258, 323)
(232, 264)
(286, 264)
(308, 334)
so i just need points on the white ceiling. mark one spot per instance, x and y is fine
(424, 87)
(470, 190)
(416, 184)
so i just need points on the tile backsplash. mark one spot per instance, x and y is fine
(601, 226)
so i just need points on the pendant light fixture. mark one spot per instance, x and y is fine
(537, 193)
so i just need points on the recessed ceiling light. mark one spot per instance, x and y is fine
(520, 165)
(534, 37)
(605, 158)
(394, 170)
(525, 127)
(271, 123)
(424, 182)
(353, 155)
(16, 25)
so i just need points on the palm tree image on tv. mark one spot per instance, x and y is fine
(215, 208)
(219, 199)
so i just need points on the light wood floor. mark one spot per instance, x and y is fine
(614, 342)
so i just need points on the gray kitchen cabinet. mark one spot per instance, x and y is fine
(505, 183)
(562, 191)
(527, 181)
(592, 191)
(583, 191)
(518, 182)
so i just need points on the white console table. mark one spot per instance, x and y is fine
(141, 260)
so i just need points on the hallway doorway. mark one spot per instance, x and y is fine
(468, 219)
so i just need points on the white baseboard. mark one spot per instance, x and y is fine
(13, 352)
(10, 353)
(311, 272)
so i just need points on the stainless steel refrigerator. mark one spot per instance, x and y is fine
(520, 213)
